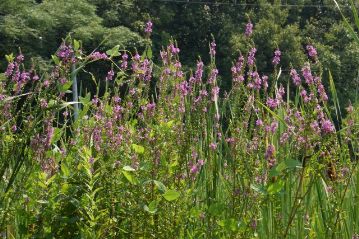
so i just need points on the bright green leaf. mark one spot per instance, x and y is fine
(138, 148)
(171, 195)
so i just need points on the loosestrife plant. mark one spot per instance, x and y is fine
(166, 153)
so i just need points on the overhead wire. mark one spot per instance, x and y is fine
(235, 3)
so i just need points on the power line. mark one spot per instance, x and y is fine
(234, 3)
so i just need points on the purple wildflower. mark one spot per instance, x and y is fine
(148, 28)
(66, 53)
(315, 127)
(110, 75)
(265, 82)
(98, 56)
(327, 126)
(194, 169)
(199, 72)
(184, 88)
(14, 128)
(249, 29)
(173, 49)
(270, 155)
(20, 58)
(257, 81)
(124, 61)
(272, 103)
(24, 76)
(43, 103)
(295, 77)
(251, 56)
(35, 78)
(274, 126)
(322, 93)
(259, 122)
(164, 57)
(276, 58)
(312, 52)
(213, 76)
(215, 92)
(284, 138)
(213, 146)
(307, 74)
(10, 69)
(212, 50)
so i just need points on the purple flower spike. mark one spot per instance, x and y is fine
(110, 75)
(295, 77)
(312, 52)
(148, 28)
(251, 57)
(276, 58)
(212, 50)
(249, 29)
(327, 126)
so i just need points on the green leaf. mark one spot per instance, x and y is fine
(85, 100)
(55, 59)
(129, 177)
(152, 207)
(10, 57)
(171, 195)
(161, 187)
(292, 163)
(275, 187)
(66, 86)
(149, 53)
(76, 45)
(285, 165)
(259, 189)
(228, 224)
(52, 103)
(65, 170)
(128, 168)
(114, 51)
(57, 135)
(138, 148)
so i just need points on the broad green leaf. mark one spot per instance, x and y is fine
(129, 177)
(66, 86)
(152, 207)
(138, 148)
(114, 51)
(275, 187)
(161, 187)
(171, 195)
(285, 165)
(10, 57)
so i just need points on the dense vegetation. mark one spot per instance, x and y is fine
(38, 27)
(245, 127)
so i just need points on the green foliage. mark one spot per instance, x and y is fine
(159, 155)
